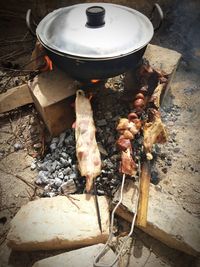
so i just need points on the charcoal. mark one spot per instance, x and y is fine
(102, 122)
(53, 146)
(67, 171)
(69, 140)
(60, 175)
(57, 182)
(64, 162)
(55, 140)
(43, 177)
(64, 155)
(61, 139)
(68, 187)
(72, 176)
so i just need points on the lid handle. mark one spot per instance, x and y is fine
(95, 16)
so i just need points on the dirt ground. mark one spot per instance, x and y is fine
(176, 171)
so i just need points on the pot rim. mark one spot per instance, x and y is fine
(79, 58)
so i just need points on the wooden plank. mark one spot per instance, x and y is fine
(144, 194)
(14, 98)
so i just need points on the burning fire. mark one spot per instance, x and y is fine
(94, 81)
(48, 64)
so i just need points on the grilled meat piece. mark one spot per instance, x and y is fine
(154, 132)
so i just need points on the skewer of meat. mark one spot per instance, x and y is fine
(87, 151)
(128, 128)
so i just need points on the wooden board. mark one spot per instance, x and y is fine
(14, 98)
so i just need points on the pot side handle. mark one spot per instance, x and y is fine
(157, 12)
(30, 21)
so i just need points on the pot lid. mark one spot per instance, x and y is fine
(95, 30)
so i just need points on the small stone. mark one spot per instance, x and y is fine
(33, 166)
(102, 122)
(176, 149)
(18, 146)
(38, 181)
(158, 188)
(37, 145)
(170, 123)
(164, 170)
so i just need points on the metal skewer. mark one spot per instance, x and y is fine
(102, 252)
(97, 206)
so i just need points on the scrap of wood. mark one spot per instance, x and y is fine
(154, 132)
(14, 98)
(141, 219)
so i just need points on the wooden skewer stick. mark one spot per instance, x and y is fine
(144, 194)
(97, 206)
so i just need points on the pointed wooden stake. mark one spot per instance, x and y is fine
(144, 194)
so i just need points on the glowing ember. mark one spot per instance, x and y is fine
(95, 81)
(48, 64)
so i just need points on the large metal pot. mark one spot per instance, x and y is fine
(95, 41)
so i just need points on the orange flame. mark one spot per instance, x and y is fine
(94, 81)
(48, 64)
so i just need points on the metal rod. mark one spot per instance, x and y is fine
(97, 206)
(96, 262)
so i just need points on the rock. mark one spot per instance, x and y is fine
(166, 220)
(37, 145)
(77, 258)
(176, 149)
(60, 175)
(164, 170)
(18, 146)
(33, 166)
(59, 222)
(68, 187)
